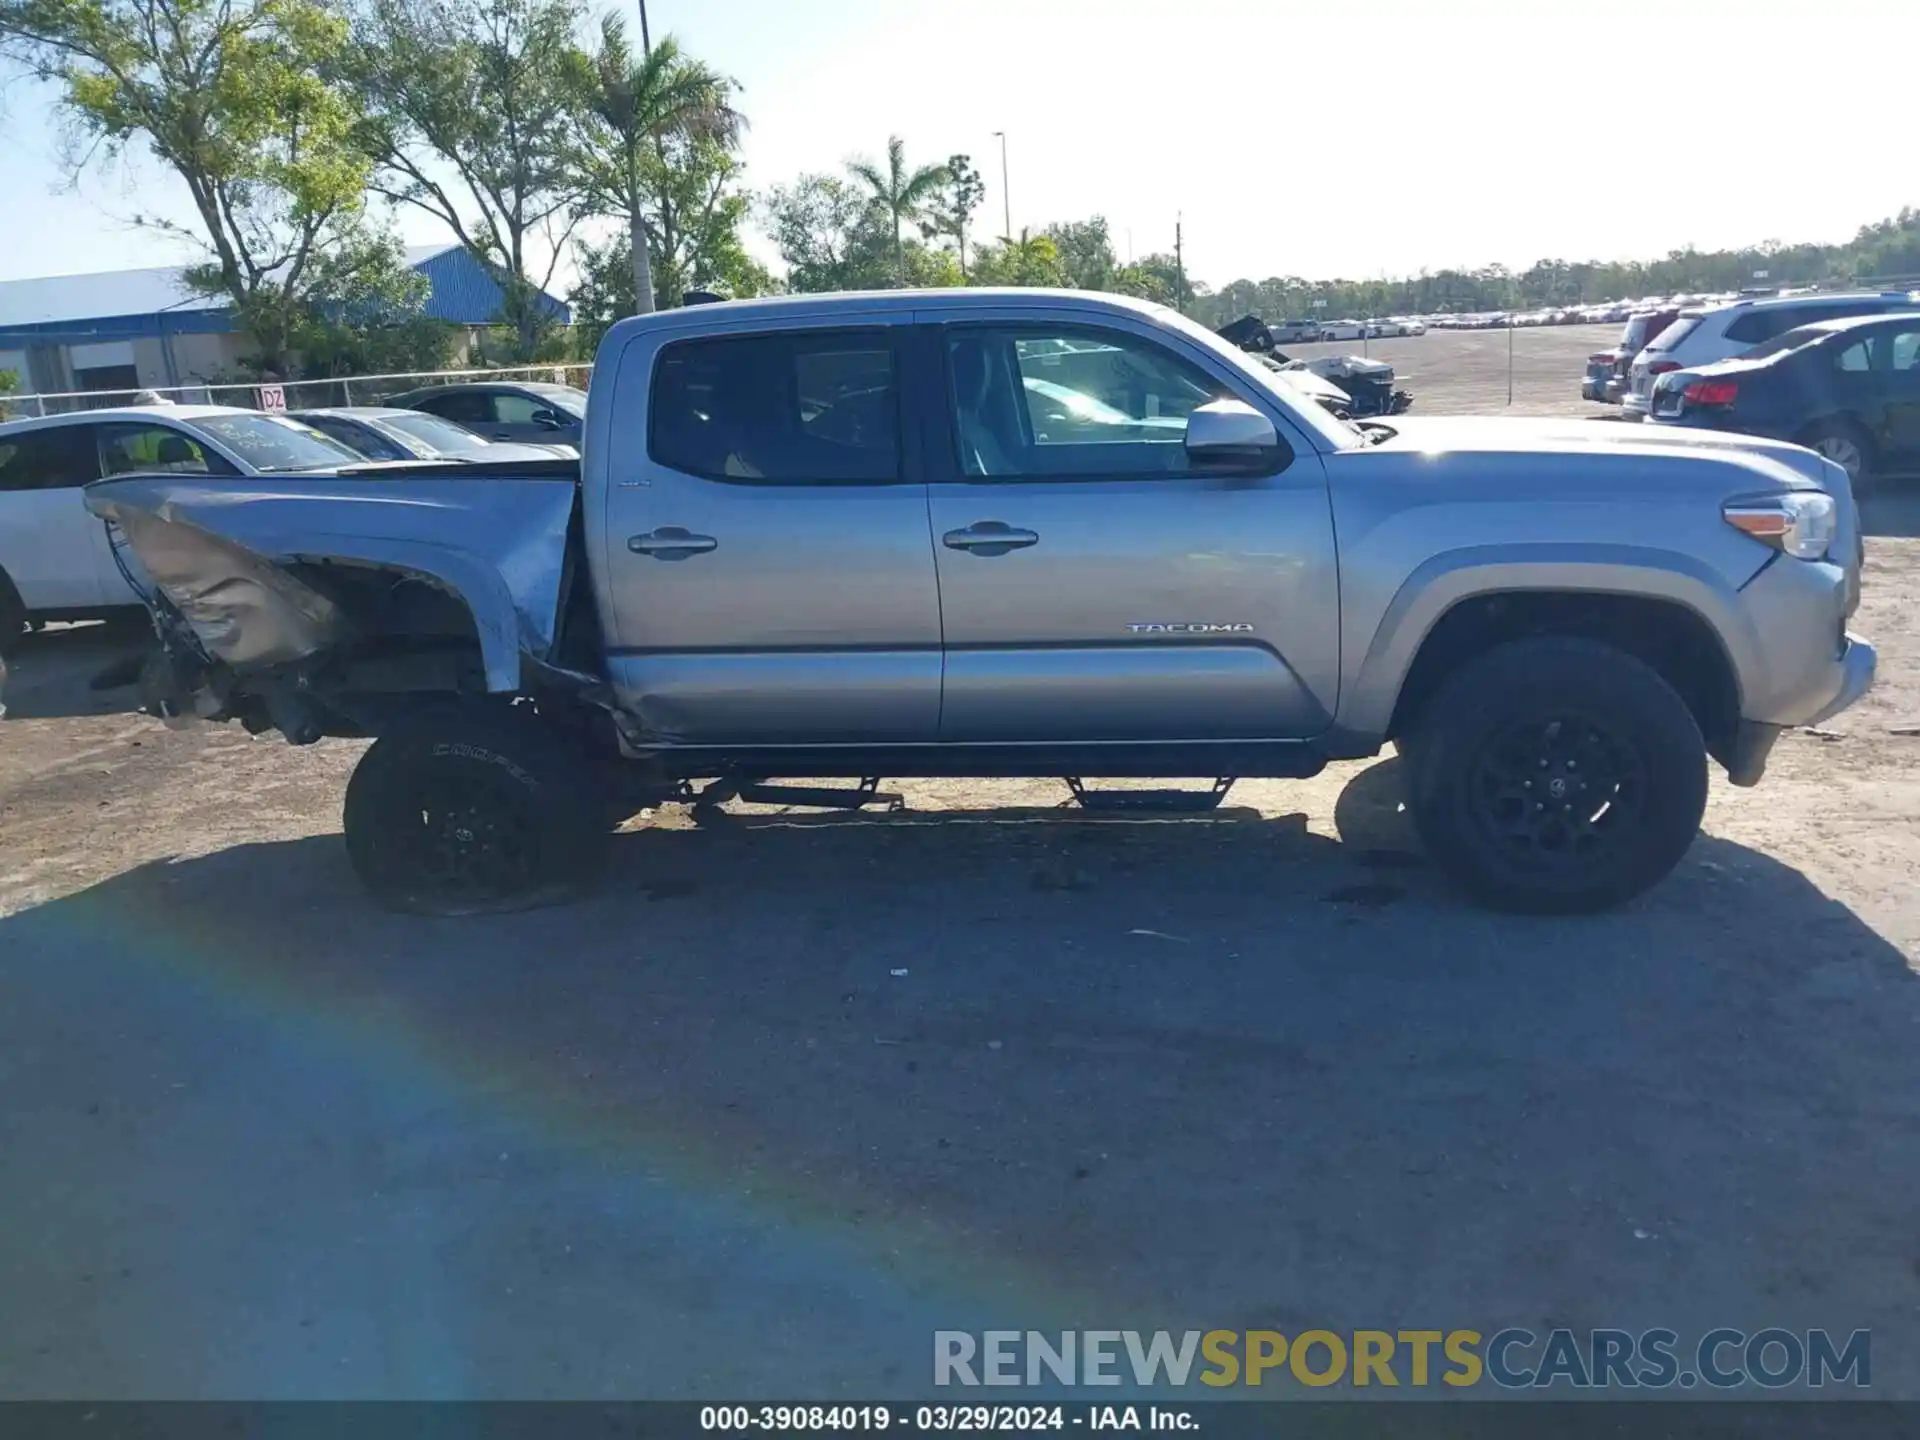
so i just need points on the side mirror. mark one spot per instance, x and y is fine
(548, 420)
(1230, 435)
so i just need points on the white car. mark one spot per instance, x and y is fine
(1343, 330)
(55, 561)
(1702, 336)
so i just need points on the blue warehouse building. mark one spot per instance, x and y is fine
(129, 329)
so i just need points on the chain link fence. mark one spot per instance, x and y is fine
(285, 394)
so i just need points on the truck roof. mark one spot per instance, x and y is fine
(876, 302)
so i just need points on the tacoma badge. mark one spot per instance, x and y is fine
(1191, 627)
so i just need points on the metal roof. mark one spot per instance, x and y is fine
(462, 292)
(62, 299)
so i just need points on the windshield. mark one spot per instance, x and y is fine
(274, 442)
(1670, 337)
(441, 436)
(1309, 415)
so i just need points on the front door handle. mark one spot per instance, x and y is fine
(670, 542)
(989, 537)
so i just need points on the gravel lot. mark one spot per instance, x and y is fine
(797, 1090)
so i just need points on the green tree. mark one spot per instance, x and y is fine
(473, 113)
(377, 326)
(826, 234)
(634, 103)
(1086, 253)
(237, 98)
(903, 195)
(603, 292)
(1027, 260)
(950, 213)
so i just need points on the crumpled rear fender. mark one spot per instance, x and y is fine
(226, 552)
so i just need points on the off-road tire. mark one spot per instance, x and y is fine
(474, 809)
(1506, 737)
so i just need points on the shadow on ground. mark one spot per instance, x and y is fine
(65, 670)
(790, 1094)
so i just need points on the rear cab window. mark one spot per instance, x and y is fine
(803, 407)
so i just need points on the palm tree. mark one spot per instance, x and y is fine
(635, 104)
(903, 194)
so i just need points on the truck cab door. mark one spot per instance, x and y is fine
(765, 568)
(1095, 587)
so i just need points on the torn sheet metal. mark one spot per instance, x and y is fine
(216, 547)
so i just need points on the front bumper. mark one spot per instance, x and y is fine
(1858, 661)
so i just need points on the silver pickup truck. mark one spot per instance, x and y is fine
(1013, 533)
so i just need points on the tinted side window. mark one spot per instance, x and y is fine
(1042, 404)
(1905, 345)
(1855, 358)
(463, 407)
(512, 409)
(60, 458)
(801, 408)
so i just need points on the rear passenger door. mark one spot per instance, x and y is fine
(1900, 417)
(768, 573)
(48, 539)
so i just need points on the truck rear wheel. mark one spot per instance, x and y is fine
(471, 810)
(1557, 776)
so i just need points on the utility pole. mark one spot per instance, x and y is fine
(1179, 267)
(1006, 196)
(646, 40)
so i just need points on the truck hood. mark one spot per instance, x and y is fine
(1470, 434)
(1579, 451)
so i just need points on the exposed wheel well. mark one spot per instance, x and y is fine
(1668, 636)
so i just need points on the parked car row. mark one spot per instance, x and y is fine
(1848, 388)
(55, 561)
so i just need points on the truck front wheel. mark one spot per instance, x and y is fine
(1557, 776)
(468, 810)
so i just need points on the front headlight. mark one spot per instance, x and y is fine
(1801, 523)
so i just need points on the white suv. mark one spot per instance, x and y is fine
(55, 562)
(1700, 337)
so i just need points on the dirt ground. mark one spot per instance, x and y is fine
(794, 1091)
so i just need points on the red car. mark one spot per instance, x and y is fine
(1606, 378)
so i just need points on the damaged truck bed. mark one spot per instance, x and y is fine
(296, 602)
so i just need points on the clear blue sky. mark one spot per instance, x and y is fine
(1296, 136)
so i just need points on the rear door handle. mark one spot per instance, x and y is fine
(670, 542)
(989, 537)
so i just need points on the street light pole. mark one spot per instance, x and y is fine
(1006, 197)
(646, 40)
